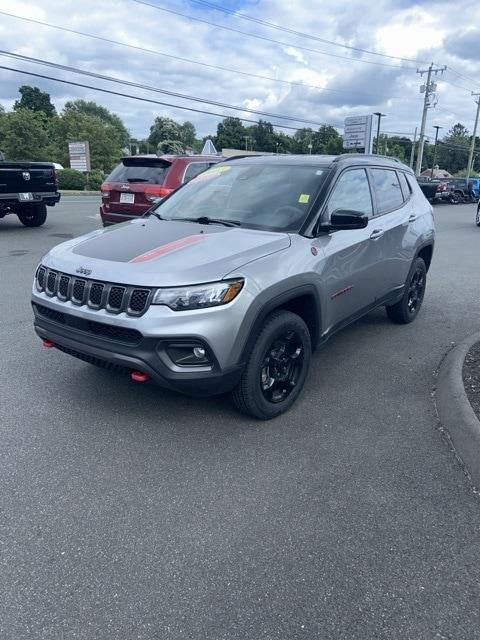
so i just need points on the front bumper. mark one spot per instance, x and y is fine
(128, 344)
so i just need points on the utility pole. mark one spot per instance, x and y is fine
(436, 127)
(429, 89)
(472, 146)
(412, 152)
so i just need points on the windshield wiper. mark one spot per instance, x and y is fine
(207, 220)
(154, 213)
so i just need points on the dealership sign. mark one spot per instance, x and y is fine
(79, 153)
(357, 133)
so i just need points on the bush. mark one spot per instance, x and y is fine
(71, 179)
(95, 179)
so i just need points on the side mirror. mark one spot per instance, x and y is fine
(345, 219)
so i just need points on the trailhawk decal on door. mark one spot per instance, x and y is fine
(342, 292)
(168, 248)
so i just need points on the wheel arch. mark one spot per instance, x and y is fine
(303, 300)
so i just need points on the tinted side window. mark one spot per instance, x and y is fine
(352, 191)
(406, 188)
(387, 189)
(194, 169)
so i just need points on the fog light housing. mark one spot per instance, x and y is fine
(188, 355)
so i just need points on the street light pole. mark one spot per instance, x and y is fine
(379, 116)
(436, 127)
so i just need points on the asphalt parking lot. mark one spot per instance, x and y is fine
(127, 511)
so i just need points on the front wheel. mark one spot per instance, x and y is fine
(277, 367)
(33, 216)
(406, 310)
(477, 217)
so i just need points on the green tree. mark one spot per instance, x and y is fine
(105, 146)
(25, 135)
(110, 120)
(187, 134)
(263, 136)
(230, 134)
(164, 129)
(327, 140)
(452, 150)
(301, 139)
(34, 99)
(171, 146)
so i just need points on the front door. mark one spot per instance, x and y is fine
(350, 270)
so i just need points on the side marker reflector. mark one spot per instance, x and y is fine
(48, 344)
(139, 376)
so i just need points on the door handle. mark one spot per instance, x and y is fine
(376, 234)
(412, 217)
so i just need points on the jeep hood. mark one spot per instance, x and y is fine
(152, 252)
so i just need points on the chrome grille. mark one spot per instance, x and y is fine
(97, 295)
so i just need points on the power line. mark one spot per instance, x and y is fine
(190, 61)
(149, 100)
(70, 69)
(308, 36)
(460, 75)
(265, 38)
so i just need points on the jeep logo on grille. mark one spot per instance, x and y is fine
(26, 175)
(83, 271)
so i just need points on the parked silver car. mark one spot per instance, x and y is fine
(231, 282)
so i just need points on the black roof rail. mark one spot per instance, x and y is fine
(343, 156)
(246, 155)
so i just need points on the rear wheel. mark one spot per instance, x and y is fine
(33, 216)
(406, 310)
(277, 367)
(477, 217)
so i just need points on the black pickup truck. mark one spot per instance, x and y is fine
(26, 189)
(437, 190)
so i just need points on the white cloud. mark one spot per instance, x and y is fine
(396, 27)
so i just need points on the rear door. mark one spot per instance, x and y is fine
(393, 215)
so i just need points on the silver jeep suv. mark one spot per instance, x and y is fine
(229, 283)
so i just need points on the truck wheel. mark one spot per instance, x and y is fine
(454, 198)
(406, 309)
(33, 216)
(277, 367)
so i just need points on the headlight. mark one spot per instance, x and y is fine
(200, 296)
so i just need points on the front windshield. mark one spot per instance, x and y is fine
(260, 196)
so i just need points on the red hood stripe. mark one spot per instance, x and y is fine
(168, 248)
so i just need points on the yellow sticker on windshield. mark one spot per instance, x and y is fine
(211, 173)
(304, 198)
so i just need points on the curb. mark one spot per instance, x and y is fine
(66, 193)
(454, 410)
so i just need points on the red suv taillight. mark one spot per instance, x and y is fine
(154, 193)
(105, 189)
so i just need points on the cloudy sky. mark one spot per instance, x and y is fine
(297, 76)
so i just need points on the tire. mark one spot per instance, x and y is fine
(477, 217)
(33, 216)
(276, 368)
(454, 199)
(406, 309)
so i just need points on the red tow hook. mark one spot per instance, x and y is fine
(139, 376)
(48, 344)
